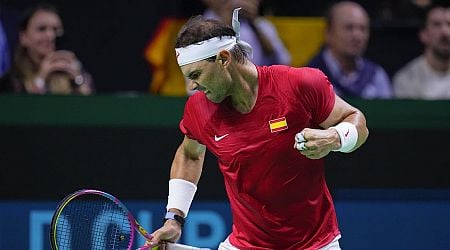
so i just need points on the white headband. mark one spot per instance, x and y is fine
(208, 48)
(204, 49)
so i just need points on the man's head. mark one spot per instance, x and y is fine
(205, 49)
(435, 31)
(347, 29)
(198, 30)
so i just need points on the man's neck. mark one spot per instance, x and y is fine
(347, 64)
(438, 63)
(245, 93)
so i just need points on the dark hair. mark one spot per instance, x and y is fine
(23, 67)
(29, 13)
(426, 11)
(198, 29)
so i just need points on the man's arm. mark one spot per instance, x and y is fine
(344, 112)
(186, 169)
(319, 142)
(188, 161)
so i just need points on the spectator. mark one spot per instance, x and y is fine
(347, 35)
(268, 49)
(38, 67)
(427, 77)
(5, 59)
(4, 51)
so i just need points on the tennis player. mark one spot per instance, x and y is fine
(270, 128)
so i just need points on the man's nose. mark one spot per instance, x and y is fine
(193, 85)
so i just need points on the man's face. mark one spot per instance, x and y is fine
(436, 34)
(348, 33)
(210, 77)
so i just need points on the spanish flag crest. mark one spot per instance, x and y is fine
(277, 125)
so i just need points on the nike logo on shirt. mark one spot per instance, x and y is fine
(218, 138)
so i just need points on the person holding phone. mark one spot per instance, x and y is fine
(38, 66)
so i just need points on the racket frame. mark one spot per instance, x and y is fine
(134, 223)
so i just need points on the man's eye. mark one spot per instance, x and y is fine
(196, 74)
(41, 28)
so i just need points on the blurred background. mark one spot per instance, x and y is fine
(393, 193)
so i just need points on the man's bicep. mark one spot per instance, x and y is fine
(192, 149)
(340, 112)
(188, 161)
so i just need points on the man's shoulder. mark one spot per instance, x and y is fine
(317, 60)
(289, 74)
(369, 63)
(284, 69)
(410, 71)
(371, 68)
(411, 66)
(410, 74)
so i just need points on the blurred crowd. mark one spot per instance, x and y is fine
(34, 60)
(37, 65)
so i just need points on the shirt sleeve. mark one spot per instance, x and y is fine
(315, 92)
(190, 124)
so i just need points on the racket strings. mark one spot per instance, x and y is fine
(93, 222)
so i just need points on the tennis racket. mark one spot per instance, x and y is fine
(92, 220)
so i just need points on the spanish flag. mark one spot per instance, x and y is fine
(278, 124)
(167, 79)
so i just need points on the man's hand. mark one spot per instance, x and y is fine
(170, 232)
(316, 143)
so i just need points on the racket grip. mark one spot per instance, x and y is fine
(147, 248)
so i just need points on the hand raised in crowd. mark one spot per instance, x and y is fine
(60, 61)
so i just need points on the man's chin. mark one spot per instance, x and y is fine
(444, 53)
(214, 99)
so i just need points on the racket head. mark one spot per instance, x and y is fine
(91, 219)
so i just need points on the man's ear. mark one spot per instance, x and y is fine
(423, 36)
(224, 56)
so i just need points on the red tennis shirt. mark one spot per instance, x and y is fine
(278, 197)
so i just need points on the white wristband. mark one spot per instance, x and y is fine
(181, 194)
(348, 135)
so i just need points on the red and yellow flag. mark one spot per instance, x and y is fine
(278, 124)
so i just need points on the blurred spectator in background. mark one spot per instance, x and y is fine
(268, 49)
(347, 35)
(256, 30)
(38, 67)
(428, 76)
(5, 55)
(4, 51)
